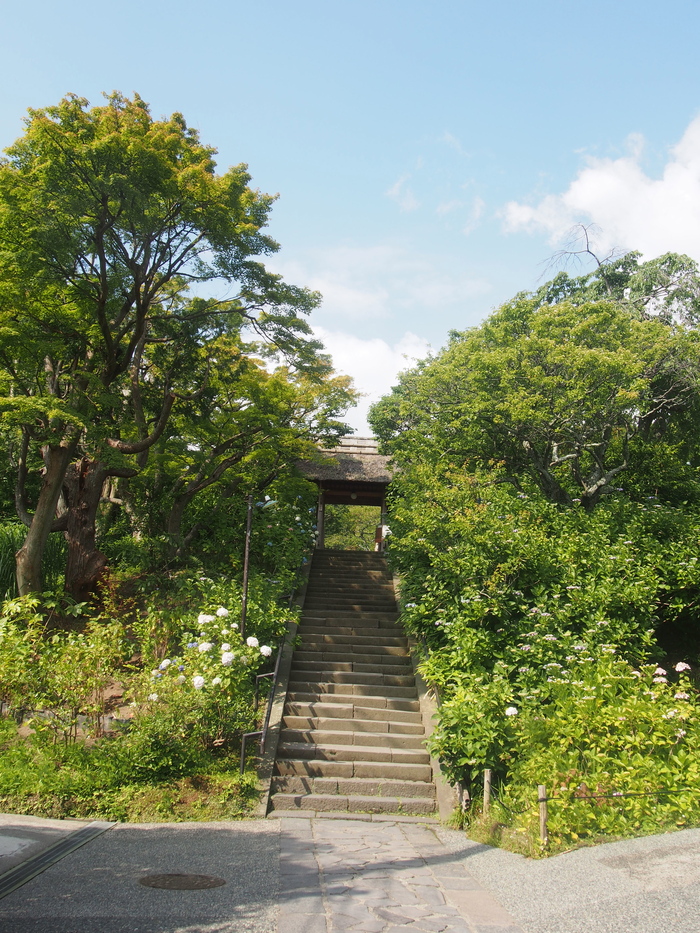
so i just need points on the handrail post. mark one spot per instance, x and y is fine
(246, 565)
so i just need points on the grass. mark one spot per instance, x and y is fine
(490, 831)
(82, 782)
(202, 798)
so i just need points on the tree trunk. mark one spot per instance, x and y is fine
(86, 564)
(29, 556)
(174, 525)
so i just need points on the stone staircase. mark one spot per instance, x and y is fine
(352, 736)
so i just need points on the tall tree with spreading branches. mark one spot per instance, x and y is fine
(108, 218)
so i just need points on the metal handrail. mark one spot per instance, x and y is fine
(273, 687)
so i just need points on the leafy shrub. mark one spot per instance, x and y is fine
(616, 748)
(537, 611)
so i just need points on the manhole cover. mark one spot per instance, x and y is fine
(181, 882)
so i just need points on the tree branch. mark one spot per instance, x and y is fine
(137, 447)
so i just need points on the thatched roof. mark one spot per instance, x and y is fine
(355, 459)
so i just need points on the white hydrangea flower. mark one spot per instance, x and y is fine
(227, 658)
(682, 666)
(198, 682)
(224, 631)
(660, 672)
(226, 646)
(222, 612)
(181, 679)
(165, 664)
(512, 711)
(152, 697)
(205, 646)
(252, 641)
(204, 619)
(234, 625)
(216, 681)
(265, 651)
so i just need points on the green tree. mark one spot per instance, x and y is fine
(247, 428)
(562, 393)
(107, 216)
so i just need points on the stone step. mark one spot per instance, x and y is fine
(389, 704)
(301, 672)
(367, 644)
(351, 724)
(315, 655)
(353, 617)
(319, 635)
(352, 737)
(330, 579)
(338, 599)
(354, 804)
(353, 666)
(364, 770)
(331, 736)
(351, 604)
(362, 630)
(318, 688)
(351, 711)
(347, 752)
(350, 584)
(364, 787)
(347, 555)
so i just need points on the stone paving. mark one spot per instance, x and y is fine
(378, 877)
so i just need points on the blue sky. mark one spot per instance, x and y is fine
(429, 157)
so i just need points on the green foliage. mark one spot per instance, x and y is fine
(545, 522)
(107, 217)
(58, 675)
(616, 748)
(526, 608)
(96, 782)
(563, 395)
(351, 527)
(189, 678)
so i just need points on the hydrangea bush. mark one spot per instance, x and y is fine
(536, 621)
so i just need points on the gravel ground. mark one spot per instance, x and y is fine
(96, 889)
(648, 885)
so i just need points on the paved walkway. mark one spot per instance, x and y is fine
(378, 877)
(300, 875)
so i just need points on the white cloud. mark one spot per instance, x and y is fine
(632, 209)
(446, 207)
(453, 143)
(372, 363)
(380, 282)
(402, 194)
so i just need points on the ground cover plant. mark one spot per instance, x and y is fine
(138, 717)
(545, 522)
